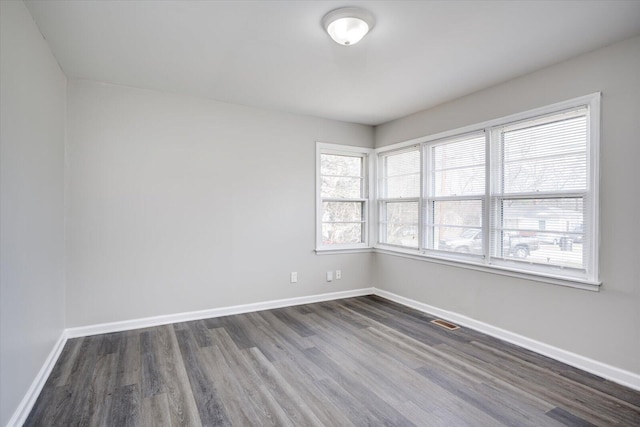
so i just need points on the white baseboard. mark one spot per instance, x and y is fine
(612, 373)
(620, 376)
(24, 408)
(22, 412)
(147, 322)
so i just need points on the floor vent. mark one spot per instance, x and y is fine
(445, 324)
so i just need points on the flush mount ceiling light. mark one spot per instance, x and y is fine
(348, 25)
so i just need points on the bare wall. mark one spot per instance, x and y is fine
(179, 204)
(32, 133)
(604, 326)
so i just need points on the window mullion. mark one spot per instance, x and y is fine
(486, 213)
(426, 191)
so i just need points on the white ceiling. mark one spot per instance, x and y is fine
(275, 54)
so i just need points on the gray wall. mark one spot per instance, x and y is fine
(32, 132)
(604, 326)
(178, 204)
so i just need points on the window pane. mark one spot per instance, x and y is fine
(460, 182)
(458, 239)
(401, 224)
(547, 157)
(457, 226)
(341, 211)
(461, 213)
(401, 175)
(544, 231)
(340, 233)
(337, 165)
(459, 167)
(403, 186)
(341, 188)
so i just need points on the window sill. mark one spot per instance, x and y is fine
(493, 269)
(336, 251)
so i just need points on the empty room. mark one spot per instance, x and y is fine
(320, 213)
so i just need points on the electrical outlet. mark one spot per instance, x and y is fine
(338, 274)
(294, 277)
(329, 276)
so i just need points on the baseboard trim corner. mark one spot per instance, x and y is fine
(617, 375)
(26, 404)
(24, 408)
(146, 322)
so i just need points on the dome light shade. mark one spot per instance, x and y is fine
(348, 25)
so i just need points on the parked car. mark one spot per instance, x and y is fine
(520, 246)
(549, 238)
(577, 233)
(470, 241)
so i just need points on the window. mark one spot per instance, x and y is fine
(541, 176)
(455, 194)
(399, 198)
(516, 195)
(342, 197)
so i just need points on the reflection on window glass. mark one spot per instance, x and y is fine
(544, 231)
(338, 233)
(401, 223)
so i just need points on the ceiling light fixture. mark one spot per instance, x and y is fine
(348, 25)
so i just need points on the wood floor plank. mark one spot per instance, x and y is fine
(567, 418)
(152, 383)
(282, 329)
(103, 387)
(154, 411)
(290, 401)
(357, 388)
(129, 364)
(356, 411)
(231, 393)
(210, 407)
(239, 329)
(600, 401)
(200, 332)
(125, 407)
(292, 322)
(60, 374)
(551, 388)
(306, 386)
(181, 403)
(256, 393)
(77, 394)
(110, 343)
(353, 362)
(396, 384)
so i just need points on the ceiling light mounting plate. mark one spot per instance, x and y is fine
(348, 25)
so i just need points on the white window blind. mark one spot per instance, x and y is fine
(456, 191)
(517, 194)
(540, 186)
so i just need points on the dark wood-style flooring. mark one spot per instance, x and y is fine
(357, 361)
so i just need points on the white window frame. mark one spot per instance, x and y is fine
(382, 200)
(428, 198)
(368, 186)
(589, 279)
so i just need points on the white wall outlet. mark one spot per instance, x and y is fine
(338, 274)
(329, 276)
(294, 277)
